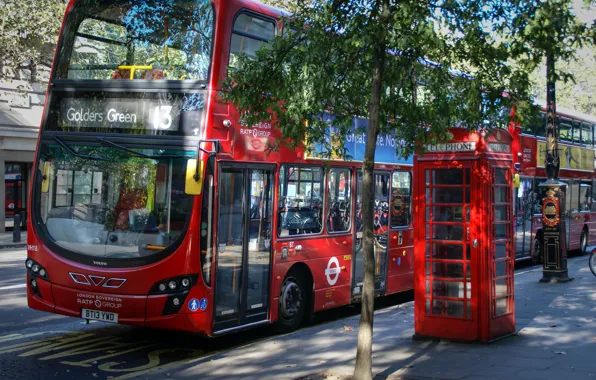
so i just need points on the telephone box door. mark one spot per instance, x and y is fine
(501, 254)
(446, 279)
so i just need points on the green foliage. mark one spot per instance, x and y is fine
(550, 27)
(579, 92)
(28, 34)
(326, 67)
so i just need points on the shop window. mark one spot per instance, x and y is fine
(339, 200)
(401, 187)
(300, 200)
(249, 35)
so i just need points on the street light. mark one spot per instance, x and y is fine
(554, 242)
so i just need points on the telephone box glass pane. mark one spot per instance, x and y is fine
(501, 213)
(500, 231)
(448, 289)
(448, 177)
(447, 195)
(501, 268)
(500, 176)
(448, 270)
(448, 308)
(446, 214)
(501, 194)
(501, 250)
(448, 232)
(448, 251)
(501, 306)
(501, 287)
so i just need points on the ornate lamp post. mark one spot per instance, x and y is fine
(554, 245)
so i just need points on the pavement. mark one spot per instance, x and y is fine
(7, 240)
(556, 338)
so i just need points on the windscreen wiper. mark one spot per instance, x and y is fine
(103, 140)
(77, 154)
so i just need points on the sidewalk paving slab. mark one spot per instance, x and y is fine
(556, 339)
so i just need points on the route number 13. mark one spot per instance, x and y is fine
(162, 117)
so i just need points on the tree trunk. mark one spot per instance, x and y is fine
(363, 369)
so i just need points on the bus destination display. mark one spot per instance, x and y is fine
(121, 114)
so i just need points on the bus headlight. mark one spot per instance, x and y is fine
(36, 270)
(174, 285)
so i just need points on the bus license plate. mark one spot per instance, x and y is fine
(98, 315)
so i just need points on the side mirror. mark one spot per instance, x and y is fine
(516, 181)
(45, 177)
(194, 177)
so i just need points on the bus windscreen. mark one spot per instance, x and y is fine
(137, 40)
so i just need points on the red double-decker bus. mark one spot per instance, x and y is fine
(153, 206)
(576, 150)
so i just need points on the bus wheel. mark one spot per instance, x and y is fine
(583, 242)
(537, 257)
(292, 302)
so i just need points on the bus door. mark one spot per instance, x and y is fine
(381, 216)
(524, 202)
(574, 221)
(243, 245)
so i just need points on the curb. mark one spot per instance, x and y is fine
(12, 245)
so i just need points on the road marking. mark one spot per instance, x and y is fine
(194, 355)
(13, 287)
(85, 363)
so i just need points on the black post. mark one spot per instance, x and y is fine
(554, 244)
(16, 230)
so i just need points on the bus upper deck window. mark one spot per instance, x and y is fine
(137, 40)
(249, 34)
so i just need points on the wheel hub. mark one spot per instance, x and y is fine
(291, 299)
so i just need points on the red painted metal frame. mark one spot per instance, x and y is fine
(481, 323)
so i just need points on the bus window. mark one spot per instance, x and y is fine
(540, 125)
(300, 200)
(400, 201)
(339, 199)
(565, 129)
(585, 197)
(577, 132)
(587, 133)
(537, 195)
(572, 198)
(593, 195)
(249, 34)
(137, 39)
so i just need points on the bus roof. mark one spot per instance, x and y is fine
(563, 111)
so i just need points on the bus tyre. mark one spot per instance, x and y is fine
(537, 257)
(583, 242)
(293, 300)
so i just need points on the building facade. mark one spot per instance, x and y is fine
(21, 108)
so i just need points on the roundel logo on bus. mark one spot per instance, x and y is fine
(332, 271)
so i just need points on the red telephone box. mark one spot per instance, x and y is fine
(464, 250)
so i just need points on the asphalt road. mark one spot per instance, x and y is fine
(38, 345)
